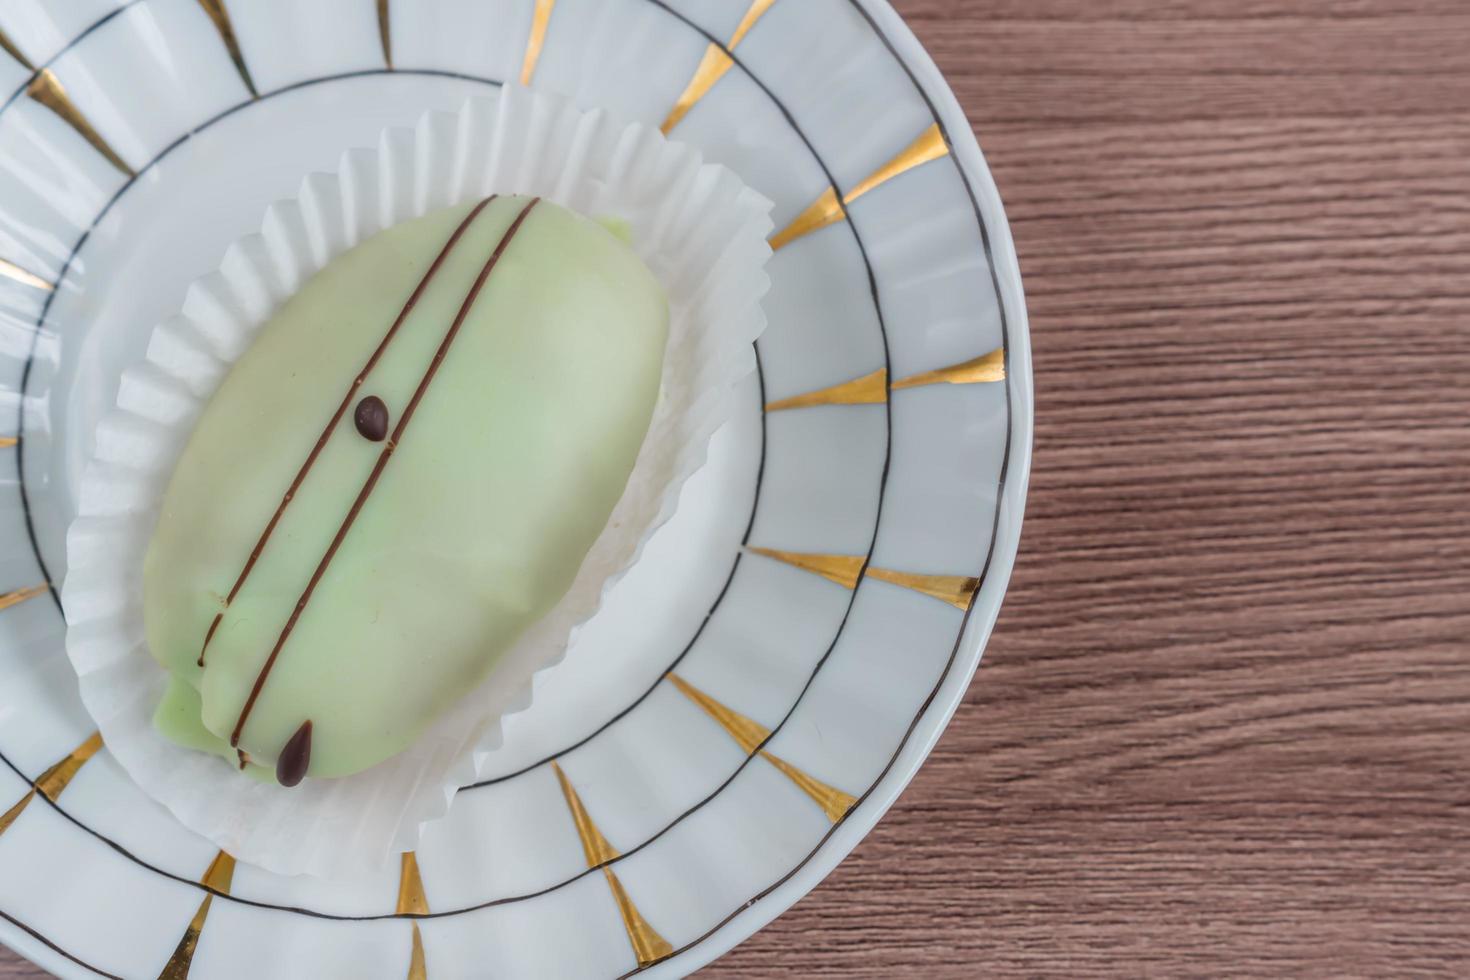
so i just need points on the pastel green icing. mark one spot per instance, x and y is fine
(178, 718)
(506, 474)
(619, 227)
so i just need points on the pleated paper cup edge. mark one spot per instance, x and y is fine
(189, 355)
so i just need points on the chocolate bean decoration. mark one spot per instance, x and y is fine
(295, 758)
(371, 419)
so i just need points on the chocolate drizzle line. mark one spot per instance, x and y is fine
(387, 453)
(321, 441)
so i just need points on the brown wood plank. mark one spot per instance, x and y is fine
(1223, 724)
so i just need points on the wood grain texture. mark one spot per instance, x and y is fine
(1223, 725)
(12, 967)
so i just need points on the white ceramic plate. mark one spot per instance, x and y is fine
(769, 677)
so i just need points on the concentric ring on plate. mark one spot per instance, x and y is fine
(884, 386)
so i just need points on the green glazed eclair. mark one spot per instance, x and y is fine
(403, 473)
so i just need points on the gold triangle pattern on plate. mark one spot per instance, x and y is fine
(984, 369)
(537, 39)
(825, 210)
(712, 66)
(834, 802)
(54, 781)
(47, 89)
(9, 816)
(18, 596)
(757, 9)
(385, 33)
(648, 946)
(749, 734)
(929, 146)
(220, 15)
(12, 271)
(845, 570)
(413, 901)
(8, 46)
(870, 389)
(957, 590)
(594, 846)
(411, 897)
(828, 208)
(217, 878)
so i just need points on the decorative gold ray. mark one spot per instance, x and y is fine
(54, 780)
(929, 146)
(221, 16)
(594, 845)
(870, 389)
(713, 65)
(8, 817)
(21, 595)
(834, 802)
(957, 590)
(648, 946)
(7, 441)
(749, 734)
(534, 43)
(385, 33)
(413, 901)
(220, 873)
(411, 897)
(842, 569)
(985, 368)
(757, 9)
(418, 967)
(12, 271)
(47, 89)
(217, 877)
(9, 47)
(712, 68)
(826, 210)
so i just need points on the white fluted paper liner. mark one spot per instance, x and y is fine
(700, 230)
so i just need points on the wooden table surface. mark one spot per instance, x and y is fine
(1224, 723)
(1223, 726)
